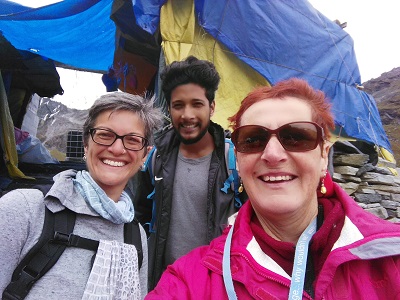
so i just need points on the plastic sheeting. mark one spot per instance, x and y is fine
(289, 38)
(7, 138)
(188, 38)
(277, 39)
(76, 33)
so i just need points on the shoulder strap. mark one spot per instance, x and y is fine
(149, 163)
(150, 166)
(55, 237)
(43, 255)
(232, 181)
(132, 236)
(44, 188)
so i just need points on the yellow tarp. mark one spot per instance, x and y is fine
(7, 138)
(182, 36)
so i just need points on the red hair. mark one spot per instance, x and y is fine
(294, 87)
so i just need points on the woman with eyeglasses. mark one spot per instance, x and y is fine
(300, 236)
(98, 262)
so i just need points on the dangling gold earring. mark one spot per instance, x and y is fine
(84, 157)
(240, 188)
(323, 188)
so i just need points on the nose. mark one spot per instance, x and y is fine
(117, 147)
(187, 113)
(273, 151)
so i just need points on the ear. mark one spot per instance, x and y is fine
(237, 163)
(325, 157)
(145, 153)
(212, 108)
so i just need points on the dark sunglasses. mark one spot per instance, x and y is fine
(294, 137)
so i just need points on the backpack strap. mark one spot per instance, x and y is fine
(43, 255)
(132, 236)
(149, 165)
(232, 181)
(55, 237)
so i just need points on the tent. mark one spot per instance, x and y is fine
(251, 42)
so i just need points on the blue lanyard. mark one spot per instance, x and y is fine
(300, 262)
(299, 265)
(226, 267)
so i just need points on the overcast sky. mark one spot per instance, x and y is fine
(374, 27)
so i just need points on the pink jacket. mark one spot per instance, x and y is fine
(363, 264)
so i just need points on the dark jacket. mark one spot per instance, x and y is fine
(220, 205)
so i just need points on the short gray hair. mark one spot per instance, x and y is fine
(121, 101)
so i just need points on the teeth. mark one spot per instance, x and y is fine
(277, 178)
(189, 126)
(114, 163)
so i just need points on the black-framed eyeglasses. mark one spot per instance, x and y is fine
(294, 137)
(107, 137)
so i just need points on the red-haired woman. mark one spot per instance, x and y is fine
(300, 236)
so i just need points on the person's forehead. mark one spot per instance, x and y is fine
(275, 112)
(188, 90)
(121, 121)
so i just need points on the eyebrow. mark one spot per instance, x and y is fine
(135, 133)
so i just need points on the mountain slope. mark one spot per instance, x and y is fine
(386, 91)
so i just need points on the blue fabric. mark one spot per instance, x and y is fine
(117, 212)
(147, 14)
(8, 7)
(31, 150)
(289, 38)
(76, 33)
(279, 39)
(63, 9)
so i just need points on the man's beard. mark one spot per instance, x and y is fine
(195, 139)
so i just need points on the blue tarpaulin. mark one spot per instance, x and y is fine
(76, 33)
(278, 39)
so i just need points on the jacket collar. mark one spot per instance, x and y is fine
(355, 238)
(63, 195)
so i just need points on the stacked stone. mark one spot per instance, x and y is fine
(375, 188)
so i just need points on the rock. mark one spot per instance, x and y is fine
(391, 213)
(345, 178)
(395, 197)
(385, 163)
(349, 187)
(385, 188)
(390, 204)
(363, 190)
(376, 178)
(364, 169)
(370, 167)
(393, 220)
(367, 198)
(379, 212)
(346, 170)
(355, 160)
(55, 121)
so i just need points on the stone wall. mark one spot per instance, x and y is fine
(374, 188)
